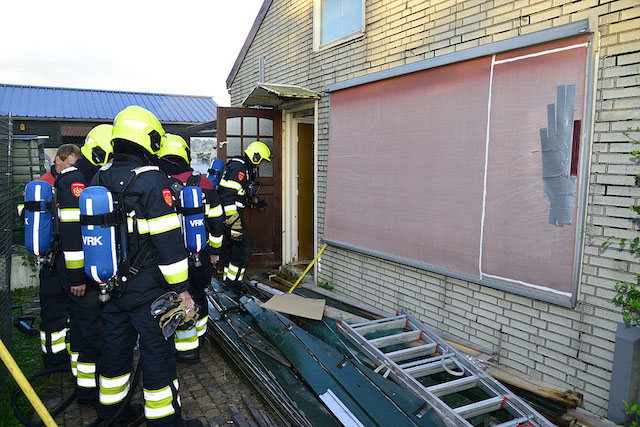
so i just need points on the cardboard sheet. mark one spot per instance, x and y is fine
(296, 305)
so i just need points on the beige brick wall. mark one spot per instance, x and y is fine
(569, 347)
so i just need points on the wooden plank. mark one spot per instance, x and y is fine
(590, 419)
(237, 417)
(267, 418)
(569, 398)
(335, 313)
(254, 412)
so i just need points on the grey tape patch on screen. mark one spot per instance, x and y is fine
(557, 141)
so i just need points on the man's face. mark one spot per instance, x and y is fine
(63, 164)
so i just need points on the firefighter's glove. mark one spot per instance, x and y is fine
(170, 320)
(171, 312)
(261, 205)
(164, 303)
(235, 224)
(190, 319)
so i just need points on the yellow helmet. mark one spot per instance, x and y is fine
(257, 151)
(174, 145)
(97, 145)
(140, 126)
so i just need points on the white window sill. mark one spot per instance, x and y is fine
(340, 40)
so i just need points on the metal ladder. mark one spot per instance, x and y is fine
(430, 354)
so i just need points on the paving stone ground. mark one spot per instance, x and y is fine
(206, 391)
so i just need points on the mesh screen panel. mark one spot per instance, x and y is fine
(6, 211)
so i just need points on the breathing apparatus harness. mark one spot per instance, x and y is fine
(177, 186)
(128, 265)
(253, 187)
(47, 260)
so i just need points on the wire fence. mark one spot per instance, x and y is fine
(6, 214)
(27, 164)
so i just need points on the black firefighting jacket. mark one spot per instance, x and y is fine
(213, 209)
(234, 184)
(150, 216)
(69, 185)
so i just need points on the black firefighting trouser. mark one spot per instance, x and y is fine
(85, 331)
(237, 257)
(187, 340)
(124, 318)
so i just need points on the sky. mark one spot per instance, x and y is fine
(183, 47)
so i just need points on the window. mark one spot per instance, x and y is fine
(203, 151)
(242, 131)
(336, 21)
(466, 169)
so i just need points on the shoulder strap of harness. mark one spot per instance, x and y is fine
(177, 186)
(194, 180)
(133, 266)
(111, 219)
(118, 218)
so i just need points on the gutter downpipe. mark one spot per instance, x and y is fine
(315, 188)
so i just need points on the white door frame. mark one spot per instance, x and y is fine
(290, 183)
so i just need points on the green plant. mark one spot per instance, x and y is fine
(628, 298)
(28, 259)
(632, 409)
(628, 293)
(326, 286)
(287, 275)
(27, 354)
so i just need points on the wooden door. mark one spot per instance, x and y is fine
(237, 128)
(305, 191)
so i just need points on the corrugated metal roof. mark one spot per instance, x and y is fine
(67, 103)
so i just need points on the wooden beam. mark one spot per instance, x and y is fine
(590, 419)
(569, 398)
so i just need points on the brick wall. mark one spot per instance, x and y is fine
(568, 347)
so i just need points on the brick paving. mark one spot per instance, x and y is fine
(206, 391)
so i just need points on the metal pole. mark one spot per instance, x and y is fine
(25, 386)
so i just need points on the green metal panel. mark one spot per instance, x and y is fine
(324, 368)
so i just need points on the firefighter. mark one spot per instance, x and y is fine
(234, 188)
(84, 308)
(66, 156)
(159, 263)
(54, 281)
(176, 158)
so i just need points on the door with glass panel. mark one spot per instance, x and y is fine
(237, 128)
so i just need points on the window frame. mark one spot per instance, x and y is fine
(585, 26)
(317, 29)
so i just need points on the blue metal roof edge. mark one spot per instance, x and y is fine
(49, 102)
(106, 90)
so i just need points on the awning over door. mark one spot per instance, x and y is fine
(278, 96)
